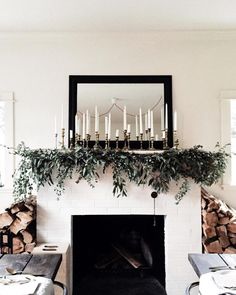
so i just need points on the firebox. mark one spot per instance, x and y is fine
(118, 255)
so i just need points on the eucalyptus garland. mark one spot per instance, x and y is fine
(53, 166)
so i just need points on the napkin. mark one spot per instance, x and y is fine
(215, 283)
(25, 285)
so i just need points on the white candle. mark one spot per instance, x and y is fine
(136, 125)
(96, 119)
(125, 118)
(140, 121)
(146, 122)
(162, 119)
(83, 135)
(175, 121)
(106, 125)
(149, 119)
(76, 123)
(151, 124)
(79, 127)
(87, 122)
(128, 128)
(71, 134)
(166, 117)
(156, 137)
(55, 125)
(109, 126)
(62, 116)
(117, 132)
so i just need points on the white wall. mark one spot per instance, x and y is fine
(36, 67)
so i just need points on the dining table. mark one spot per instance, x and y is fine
(38, 269)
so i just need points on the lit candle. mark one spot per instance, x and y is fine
(162, 119)
(106, 125)
(125, 119)
(152, 125)
(109, 126)
(128, 128)
(62, 116)
(83, 133)
(149, 119)
(136, 125)
(146, 122)
(55, 125)
(166, 117)
(175, 121)
(140, 121)
(117, 132)
(96, 119)
(156, 137)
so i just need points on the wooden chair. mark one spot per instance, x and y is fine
(190, 287)
(6, 243)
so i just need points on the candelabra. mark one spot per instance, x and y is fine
(87, 140)
(176, 141)
(107, 142)
(152, 143)
(164, 139)
(128, 141)
(72, 143)
(149, 138)
(63, 138)
(56, 139)
(77, 139)
(96, 146)
(117, 143)
(141, 141)
(125, 148)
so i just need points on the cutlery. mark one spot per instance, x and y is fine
(13, 272)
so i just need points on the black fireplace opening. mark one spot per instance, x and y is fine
(118, 254)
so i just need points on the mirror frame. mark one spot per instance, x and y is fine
(121, 79)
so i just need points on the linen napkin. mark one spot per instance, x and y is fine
(25, 285)
(219, 282)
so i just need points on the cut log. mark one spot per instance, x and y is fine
(5, 220)
(231, 227)
(131, 258)
(18, 245)
(230, 250)
(209, 231)
(30, 247)
(224, 220)
(25, 217)
(224, 241)
(17, 226)
(210, 218)
(213, 247)
(233, 241)
(213, 205)
(27, 236)
(221, 230)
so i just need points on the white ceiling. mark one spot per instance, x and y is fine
(116, 15)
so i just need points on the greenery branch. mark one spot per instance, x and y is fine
(54, 166)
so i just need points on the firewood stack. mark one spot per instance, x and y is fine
(19, 223)
(218, 225)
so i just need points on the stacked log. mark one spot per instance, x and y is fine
(218, 225)
(18, 226)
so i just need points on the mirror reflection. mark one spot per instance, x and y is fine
(118, 106)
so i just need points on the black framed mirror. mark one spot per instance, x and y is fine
(114, 92)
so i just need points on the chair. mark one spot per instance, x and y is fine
(61, 285)
(190, 287)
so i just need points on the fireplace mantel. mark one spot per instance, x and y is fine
(182, 222)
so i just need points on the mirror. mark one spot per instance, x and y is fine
(111, 94)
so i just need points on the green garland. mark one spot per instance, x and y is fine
(155, 170)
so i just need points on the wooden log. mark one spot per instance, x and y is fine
(213, 247)
(213, 205)
(209, 231)
(230, 250)
(18, 245)
(231, 227)
(224, 241)
(5, 220)
(210, 218)
(30, 247)
(25, 217)
(224, 220)
(221, 230)
(17, 226)
(233, 241)
(27, 237)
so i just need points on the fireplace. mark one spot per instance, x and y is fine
(118, 254)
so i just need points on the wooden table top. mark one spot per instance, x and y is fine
(45, 265)
(202, 263)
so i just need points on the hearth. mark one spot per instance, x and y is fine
(118, 254)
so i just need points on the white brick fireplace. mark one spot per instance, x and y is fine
(182, 222)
